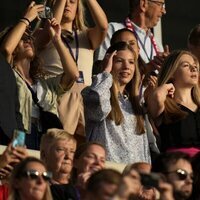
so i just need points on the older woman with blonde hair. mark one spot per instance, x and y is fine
(114, 115)
(29, 180)
(174, 103)
(57, 150)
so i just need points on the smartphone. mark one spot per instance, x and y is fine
(46, 13)
(18, 138)
(150, 180)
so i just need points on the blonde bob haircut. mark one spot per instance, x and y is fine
(53, 135)
(132, 88)
(172, 110)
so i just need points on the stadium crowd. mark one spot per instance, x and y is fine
(82, 96)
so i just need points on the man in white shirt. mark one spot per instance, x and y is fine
(143, 16)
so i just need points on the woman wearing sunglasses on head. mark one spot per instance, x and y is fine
(29, 181)
(175, 104)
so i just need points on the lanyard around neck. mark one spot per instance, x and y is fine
(75, 57)
(129, 25)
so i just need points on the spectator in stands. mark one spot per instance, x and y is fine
(103, 185)
(194, 41)
(126, 35)
(57, 150)
(114, 115)
(29, 180)
(174, 104)
(177, 168)
(81, 40)
(89, 158)
(143, 15)
(35, 92)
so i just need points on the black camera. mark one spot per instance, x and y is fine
(46, 13)
(150, 180)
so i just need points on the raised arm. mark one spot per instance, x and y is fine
(97, 34)
(97, 96)
(42, 35)
(12, 39)
(70, 68)
(156, 100)
(58, 10)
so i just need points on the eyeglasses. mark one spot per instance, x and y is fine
(34, 175)
(182, 174)
(159, 3)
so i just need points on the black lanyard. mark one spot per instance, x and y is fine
(75, 57)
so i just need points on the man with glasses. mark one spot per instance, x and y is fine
(143, 16)
(177, 168)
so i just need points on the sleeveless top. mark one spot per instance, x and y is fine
(184, 133)
(52, 62)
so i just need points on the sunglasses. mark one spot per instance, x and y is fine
(34, 175)
(182, 174)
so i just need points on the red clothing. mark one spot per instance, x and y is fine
(3, 192)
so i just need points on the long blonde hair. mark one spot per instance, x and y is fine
(172, 110)
(132, 88)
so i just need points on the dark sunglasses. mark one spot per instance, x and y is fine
(182, 174)
(34, 175)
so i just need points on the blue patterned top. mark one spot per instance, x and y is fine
(122, 143)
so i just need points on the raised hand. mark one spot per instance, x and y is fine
(33, 10)
(108, 61)
(54, 29)
(170, 90)
(12, 155)
(158, 60)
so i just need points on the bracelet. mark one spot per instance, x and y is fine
(24, 18)
(23, 21)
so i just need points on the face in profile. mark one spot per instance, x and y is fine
(32, 188)
(187, 73)
(154, 12)
(92, 160)
(182, 185)
(123, 66)
(60, 156)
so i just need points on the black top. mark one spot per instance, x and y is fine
(184, 133)
(64, 192)
(10, 118)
